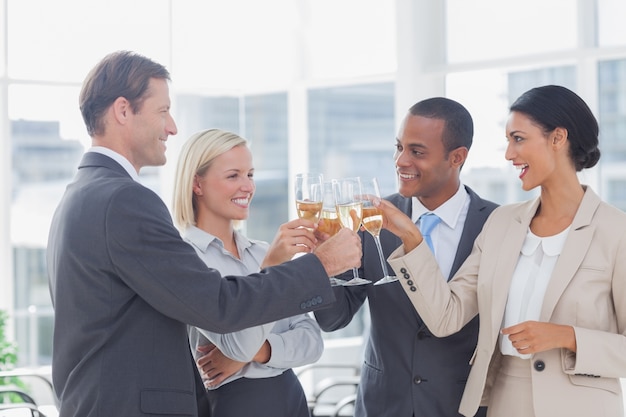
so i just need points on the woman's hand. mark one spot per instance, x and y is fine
(215, 367)
(400, 225)
(534, 336)
(293, 237)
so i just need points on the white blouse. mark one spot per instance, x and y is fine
(529, 282)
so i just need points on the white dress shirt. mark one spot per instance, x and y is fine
(294, 341)
(529, 282)
(447, 234)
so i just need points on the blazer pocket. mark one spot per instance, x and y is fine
(608, 384)
(155, 401)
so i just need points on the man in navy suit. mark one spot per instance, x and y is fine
(408, 372)
(124, 284)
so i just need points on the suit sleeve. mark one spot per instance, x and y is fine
(445, 307)
(150, 257)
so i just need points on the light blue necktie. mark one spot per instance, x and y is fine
(428, 221)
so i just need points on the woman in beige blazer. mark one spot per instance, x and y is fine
(547, 277)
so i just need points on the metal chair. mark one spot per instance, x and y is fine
(334, 389)
(16, 403)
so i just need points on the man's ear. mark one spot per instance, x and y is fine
(458, 156)
(121, 110)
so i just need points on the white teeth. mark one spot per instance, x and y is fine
(241, 201)
(406, 176)
(521, 167)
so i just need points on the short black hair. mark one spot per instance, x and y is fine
(458, 124)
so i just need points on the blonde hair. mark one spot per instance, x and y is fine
(195, 158)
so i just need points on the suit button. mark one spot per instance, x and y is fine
(403, 270)
(409, 282)
(406, 276)
(413, 289)
(539, 365)
(417, 380)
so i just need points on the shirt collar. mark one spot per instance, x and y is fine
(125, 163)
(449, 211)
(551, 245)
(202, 240)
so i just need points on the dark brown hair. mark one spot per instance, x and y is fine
(119, 74)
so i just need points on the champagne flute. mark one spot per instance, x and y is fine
(308, 190)
(329, 220)
(373, 222)
(350, 211)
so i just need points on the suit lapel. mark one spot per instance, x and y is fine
(574, 250)
(476, 216)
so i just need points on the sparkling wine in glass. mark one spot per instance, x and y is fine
(348, 198)
(373, 223)
(308, 191)
(329, 220)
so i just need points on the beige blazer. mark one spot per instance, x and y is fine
(587, 291)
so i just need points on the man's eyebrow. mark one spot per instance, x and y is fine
(412, 145)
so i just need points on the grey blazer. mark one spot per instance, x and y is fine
(124, 285)
(406, 370)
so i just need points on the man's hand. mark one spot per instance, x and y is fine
(340, 252)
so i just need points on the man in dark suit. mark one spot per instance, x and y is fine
(124, 284)
(408, 372)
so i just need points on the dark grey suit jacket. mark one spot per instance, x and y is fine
(406, 370)
(124, 285)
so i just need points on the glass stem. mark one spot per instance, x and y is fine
(383, 262)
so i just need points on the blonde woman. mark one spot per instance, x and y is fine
(246, 372)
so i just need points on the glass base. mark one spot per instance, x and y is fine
(336, 282)
(386, 280)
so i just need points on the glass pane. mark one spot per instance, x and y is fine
(491, 29)
(352, 132)
(64, 39)
(44, 134)
(611, 22)
(612, 104)
(267, 130)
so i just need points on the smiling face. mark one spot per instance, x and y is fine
(150, 127)
(531, 150)
(423, 168)
(224, 192)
